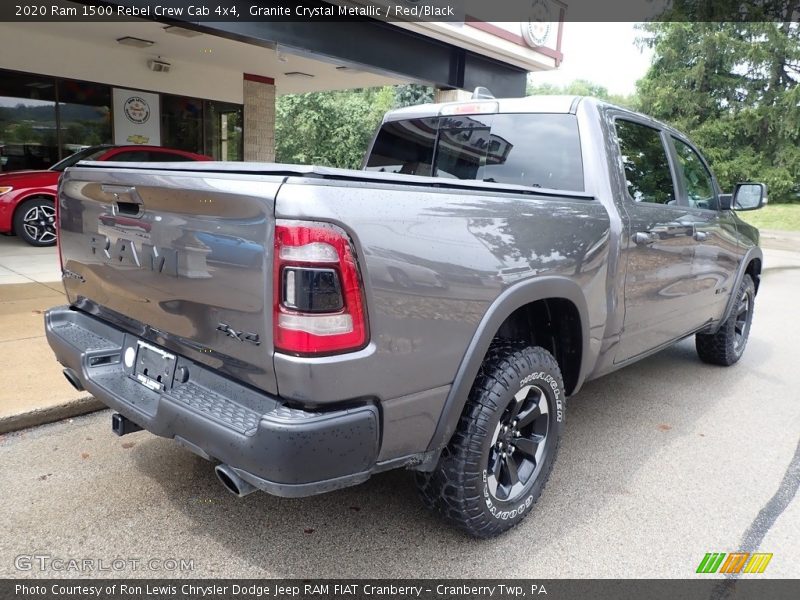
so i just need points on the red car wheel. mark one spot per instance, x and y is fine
(35, 222)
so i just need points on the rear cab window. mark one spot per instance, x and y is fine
(528, 149)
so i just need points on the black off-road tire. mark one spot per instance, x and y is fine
(727, 345)
(459, 487)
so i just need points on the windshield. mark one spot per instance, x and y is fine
(90, 153)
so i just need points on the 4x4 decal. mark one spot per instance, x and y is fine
(242, 336)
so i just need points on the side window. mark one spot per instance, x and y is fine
(645, 162)
(697, 181)
(130, 156)
(166, 157)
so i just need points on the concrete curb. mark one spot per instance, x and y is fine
(42, 416)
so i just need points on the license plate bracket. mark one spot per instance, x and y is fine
(154, 367)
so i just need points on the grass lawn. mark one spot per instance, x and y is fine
(774, 216)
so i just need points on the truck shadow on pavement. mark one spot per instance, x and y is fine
(615, 426)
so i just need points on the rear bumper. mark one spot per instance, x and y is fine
(281, 450)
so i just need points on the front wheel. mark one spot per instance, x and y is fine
(727, 345)
(35, 222)
(500, 457)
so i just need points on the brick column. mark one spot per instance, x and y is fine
(259, 118)
(451, 95)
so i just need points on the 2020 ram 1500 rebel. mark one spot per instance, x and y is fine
(307, 327)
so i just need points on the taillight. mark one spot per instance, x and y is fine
(471, 108)
(319, 304)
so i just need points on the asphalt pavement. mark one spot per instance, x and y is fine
(660, 463)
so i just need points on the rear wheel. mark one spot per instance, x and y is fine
(500, 457)
(35, 222)
(727, 345)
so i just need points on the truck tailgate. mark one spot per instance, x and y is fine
(182, 258)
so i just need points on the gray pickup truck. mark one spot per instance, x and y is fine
(305, 327)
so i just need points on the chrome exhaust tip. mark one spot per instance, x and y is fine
(232, 482)
(72, 377)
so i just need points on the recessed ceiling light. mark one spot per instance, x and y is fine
(181, 31)
(135, 42)
(298, 74)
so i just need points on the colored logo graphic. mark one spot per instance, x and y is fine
(137, 110)
(536, 31)
(736, 562)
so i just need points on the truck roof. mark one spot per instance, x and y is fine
(528, 104)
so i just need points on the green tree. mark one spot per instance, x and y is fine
(23, 133)
(733, 88)
(411, 94)
(329, 128)
(581, 87)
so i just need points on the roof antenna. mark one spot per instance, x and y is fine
(482, 93)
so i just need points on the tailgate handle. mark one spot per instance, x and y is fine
(127, 200)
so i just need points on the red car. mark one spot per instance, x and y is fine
(27, 206)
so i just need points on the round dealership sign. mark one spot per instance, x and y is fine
(537, 29)
(137, 110)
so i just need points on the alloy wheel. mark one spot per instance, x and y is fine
(741, 326)
(518, 446)
(40, 223)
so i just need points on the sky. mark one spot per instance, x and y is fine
(603, 53)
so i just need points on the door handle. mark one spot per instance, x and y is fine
(700, 236)
(642, 238)
(127, 200)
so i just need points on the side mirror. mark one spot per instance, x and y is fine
(749, 196)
